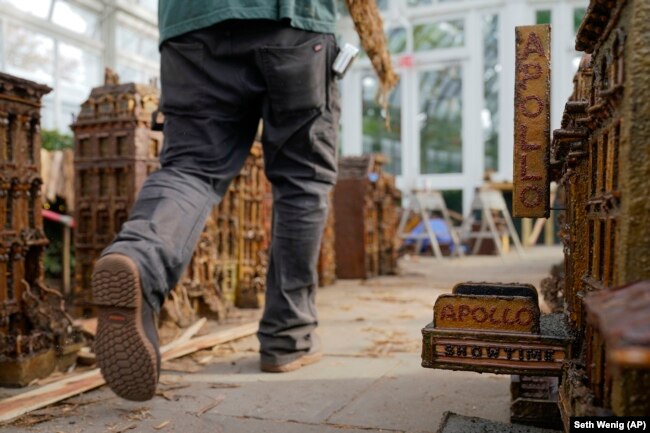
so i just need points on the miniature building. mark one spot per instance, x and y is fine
(115, 150)
(365, 206)
(36, 335)
(600, 159)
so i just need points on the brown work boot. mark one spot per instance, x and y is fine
(126, 344)
(306, 359)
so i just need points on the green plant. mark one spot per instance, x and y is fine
(51, 139)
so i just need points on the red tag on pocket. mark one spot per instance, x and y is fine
(318, 47)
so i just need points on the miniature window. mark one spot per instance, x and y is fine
(9, 137)
(612, 255)
(104, 143)
(34, 201)
(125, 105)
(84, 147)
(601, 251)
(120, 219)
(120, 144)
(120, 183)
(32, 265)
(85, 222)
(592, 248)
(103, 184)
(612, 71)
(10, 275)
(31, 126)
(619, 56)
(604, 161)
(84, 181)
(9, 210)
(4, 128)
(594, 168)
(615, 142)
(604, 79)
(86, 276)
(103, 225)
(106, 107)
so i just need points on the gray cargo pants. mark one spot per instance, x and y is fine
(216, 85)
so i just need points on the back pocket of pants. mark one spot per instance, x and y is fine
(296, 76)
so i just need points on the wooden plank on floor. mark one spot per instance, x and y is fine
(38, 398)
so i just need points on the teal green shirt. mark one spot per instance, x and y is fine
(176, 17)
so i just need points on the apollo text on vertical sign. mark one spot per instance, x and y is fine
(532, 122)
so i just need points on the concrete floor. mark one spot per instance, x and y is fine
(369, 380)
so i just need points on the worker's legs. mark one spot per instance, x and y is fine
(300, 127)
(210, 122)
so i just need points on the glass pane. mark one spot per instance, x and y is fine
(418, 2)
(440, 120)
(342, 8)
(129, 74)
(76, 18)
(78, 67)
(29, 54)
(150, 4)
(376, 138)
(543, 17)
(396, 38)
(135, 42)
(427, 2)
(69, 110)
(454, 200)
(127, 39)
(40, 8)
(441, 34)
(79, 72)
(47, 112)
(491, 72)
(578, 15)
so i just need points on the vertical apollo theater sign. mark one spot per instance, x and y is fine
(532, 122)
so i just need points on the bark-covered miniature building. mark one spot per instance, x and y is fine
(36, 335)
(115, 150)
(365, 206)
(601, 157)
